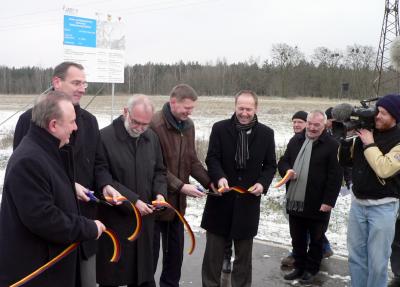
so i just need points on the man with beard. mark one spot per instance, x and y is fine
(91, 170)
(241, 153)
(311, 193)
(375, 158)
(134, 156)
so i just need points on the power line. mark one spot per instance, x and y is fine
(139, 9)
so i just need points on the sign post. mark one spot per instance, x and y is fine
(96, 41)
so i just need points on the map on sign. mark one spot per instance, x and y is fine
(97, 42)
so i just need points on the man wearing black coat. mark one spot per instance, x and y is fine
(134, 156)
(311, 192)
(39, 215)
(241, 153)
(91, 170)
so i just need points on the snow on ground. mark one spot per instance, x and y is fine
(273, 112)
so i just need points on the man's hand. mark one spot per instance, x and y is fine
(256, 189)
(143, 208)
(223, 182)
(100, 228)
(81, 192)
(325, 208)
(160, 197)
(109, 191)
(191, 190)
(365, 136)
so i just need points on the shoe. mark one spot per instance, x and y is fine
(288, 261)
(296, 273)
(328, 253)
(395, 282)
(307, 278)
(226, 265)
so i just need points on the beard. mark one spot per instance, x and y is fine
(132, 132)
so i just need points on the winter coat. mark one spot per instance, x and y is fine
(180, 158)
(91, 170)
(39, 214)
(138, 165)
(324, 175)
(369, 184)
(236, 215)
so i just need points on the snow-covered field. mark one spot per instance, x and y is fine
(274, 112)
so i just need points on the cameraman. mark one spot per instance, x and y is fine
(375, 157)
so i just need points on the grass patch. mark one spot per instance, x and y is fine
(6, 140)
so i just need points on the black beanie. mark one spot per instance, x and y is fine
(302, 115)
(328, 113)
(391, 103)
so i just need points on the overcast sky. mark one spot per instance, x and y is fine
(31, 32)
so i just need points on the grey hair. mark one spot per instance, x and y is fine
(47, 108)
(247, 92)
(140, 99)
(313, 113)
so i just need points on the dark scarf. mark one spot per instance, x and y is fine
(178, 125)
(242, 144)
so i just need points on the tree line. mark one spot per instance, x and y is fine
(327, 73)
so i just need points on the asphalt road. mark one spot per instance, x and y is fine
(266, 267)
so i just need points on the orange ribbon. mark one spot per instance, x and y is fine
(234, 188)
(136, 232)
(66, 252)
(289, 174)
(158, 203)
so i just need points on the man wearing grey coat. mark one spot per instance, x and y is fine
(136, 164)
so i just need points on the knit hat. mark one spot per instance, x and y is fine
(328, 113)
(391, 103)
(302, 115)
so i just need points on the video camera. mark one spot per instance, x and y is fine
(347, 117)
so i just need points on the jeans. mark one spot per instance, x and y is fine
(369, 238)
(395, 257)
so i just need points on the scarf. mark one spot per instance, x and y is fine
(297, 188)
(242, 144)
(178, 125)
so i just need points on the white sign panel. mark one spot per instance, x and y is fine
(97, 42)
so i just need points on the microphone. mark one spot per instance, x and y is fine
(395, 53)
(342, 112)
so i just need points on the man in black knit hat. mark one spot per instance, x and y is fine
(375, 158)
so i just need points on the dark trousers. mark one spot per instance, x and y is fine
(299, 227)
(395, 257)
(228, 249)
(214, 257)
(171, 233)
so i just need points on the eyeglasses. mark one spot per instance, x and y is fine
(78, 84)
(134, 122)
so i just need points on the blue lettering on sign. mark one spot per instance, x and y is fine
(79, 31)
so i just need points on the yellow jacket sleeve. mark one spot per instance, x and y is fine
(383, 165)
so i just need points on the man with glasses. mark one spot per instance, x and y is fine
(134, 156)
(91, 169)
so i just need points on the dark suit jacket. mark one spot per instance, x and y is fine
(39, 214)
(236, 215)
(91, 169)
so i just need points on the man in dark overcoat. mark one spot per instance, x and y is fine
(241, 153)
(311, 192)
(134, 156)
(91, 170)
(39, 215)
